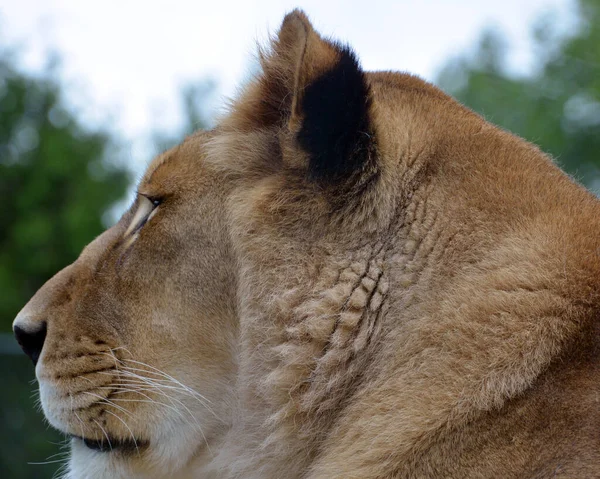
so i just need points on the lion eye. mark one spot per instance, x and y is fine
(145, 211)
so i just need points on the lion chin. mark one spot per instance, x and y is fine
(350, 276)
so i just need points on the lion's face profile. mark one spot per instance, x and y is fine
(117, 336)
(350, 276)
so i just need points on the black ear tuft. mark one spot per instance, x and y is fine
(335, 130)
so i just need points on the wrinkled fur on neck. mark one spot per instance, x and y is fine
(388, 328)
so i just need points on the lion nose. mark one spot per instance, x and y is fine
(31, 339)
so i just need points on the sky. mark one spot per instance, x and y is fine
(125, 61)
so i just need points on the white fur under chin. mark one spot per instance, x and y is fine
(178, 451)
(166, 461)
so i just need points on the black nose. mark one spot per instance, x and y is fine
(31, 342)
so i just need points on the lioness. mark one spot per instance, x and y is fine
(351, 276)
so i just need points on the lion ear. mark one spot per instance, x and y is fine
(317, 88)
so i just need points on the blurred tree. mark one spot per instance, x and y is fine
(557, 106)
(55, 184)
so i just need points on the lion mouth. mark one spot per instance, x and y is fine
(110, 444)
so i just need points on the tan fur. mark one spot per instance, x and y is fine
(443, 322)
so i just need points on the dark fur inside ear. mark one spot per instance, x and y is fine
(335, 130)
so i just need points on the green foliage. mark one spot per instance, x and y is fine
(558, 106)
(55, 183)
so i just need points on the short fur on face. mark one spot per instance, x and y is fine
(350, 276)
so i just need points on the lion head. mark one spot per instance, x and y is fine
(351, 276)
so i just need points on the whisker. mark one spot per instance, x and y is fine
(105, 434)
(61, 453)
(152, 382)
(105, 400)
(152, 401)
(50, 460)
(179, 386)
(176, 381)
(42, 463)
(136, 391)
(81, 422)
(128, 428)
(62, 472)
(153, 370)
(129, 373)
(112, 350)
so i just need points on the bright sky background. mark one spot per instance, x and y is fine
(126, 60)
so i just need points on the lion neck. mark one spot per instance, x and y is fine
(325, 339)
